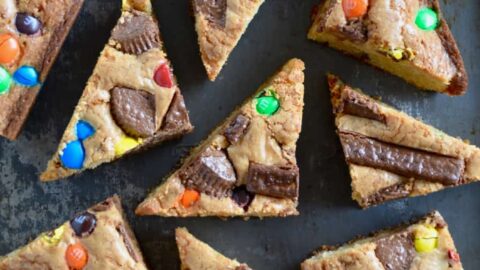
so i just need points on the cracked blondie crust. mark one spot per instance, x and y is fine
(99, 238)
(220, 24)
(408, 38)
(426, 244)
(392, 155)
(31, 35)
(247, 165)
(131, 101)
(196, 255)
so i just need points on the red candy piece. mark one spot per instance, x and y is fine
(453, 255)
(9, 49)
(354, 8)
(76, 256)
(163, 77)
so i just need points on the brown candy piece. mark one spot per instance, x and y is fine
(236, 129)
(211, 173)
(396, 252)
(134, 111)
(136, 33)
(215, 11)
(275, 181)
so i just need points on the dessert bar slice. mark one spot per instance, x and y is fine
(426, 244)
(247, 165)
(31, 35)
(392, 155)
(408, 38)
(99, 238)
(219, 25)
(196, 255)
(131, 101)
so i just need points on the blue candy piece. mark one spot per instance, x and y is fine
(84, 130)
(73, 155)
(26, 76)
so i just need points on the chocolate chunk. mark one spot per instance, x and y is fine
(355, 30)
(236, 129)
(354, 103)
(396, 252)
(242, 197)
(243, 267)
(103, 206)
(215, 11)
(134, 111)
(211, 173)
(136, 33)
(128, 242)
(177, 115)
(390, 193)
(84, 224)
(402, 160)
(275, 181)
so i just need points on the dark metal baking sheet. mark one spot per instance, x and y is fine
(278, 32)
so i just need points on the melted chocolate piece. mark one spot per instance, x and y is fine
(396, 191)
(103, 206)
(177, 115)
(396, 252)
(128, 242)
(401, 160)
(83, 224)
(354, 103)
(215, 11)
(355, 30)
(242, 197)
(136, 33)
(134, 111)
(243, 267)
(211, 173)
(236, 129)
(275, 181)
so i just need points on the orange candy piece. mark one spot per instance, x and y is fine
(354, 8)
(76, 256)
(9, 49)
(189, 197)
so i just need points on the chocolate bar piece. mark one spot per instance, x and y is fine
(237, 128)
(35, 31)
(215, 11)
(396, 251)
(211, 173)
(401, 160)
(360, 105)
(275, 181)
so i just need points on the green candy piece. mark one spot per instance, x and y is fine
(5, 81)
(267, 105)
(427, 19)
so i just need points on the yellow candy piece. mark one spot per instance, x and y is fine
(426, 238)
(141, 5)
(397, 54)
(52, 238)
(124, 145)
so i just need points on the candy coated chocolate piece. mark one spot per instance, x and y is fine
(275, 181)
(163, 76)
(427, 19)
(236, 129)
(84, 224)
(354, 8)
(26, 76)
(73, 155)
(9, 49)
(84, 130)
(136, 33)
(76, 256)
(211, 173)
(426, 238)
(52, 238)
(267, 105)
(134, 111)
(124, 145)
(215, 11)
(27, 24)
(5, 81)
(242, 197)
(396, 251)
